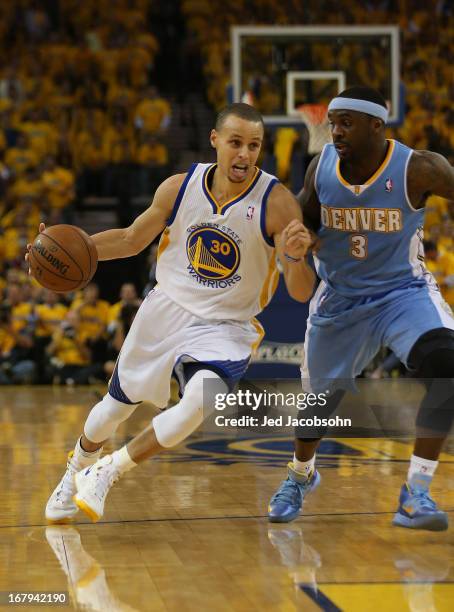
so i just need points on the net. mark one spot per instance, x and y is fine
(315, 116)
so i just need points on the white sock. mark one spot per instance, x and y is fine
(304, 467)
(122, 461)
(85, 458)
(418, 465)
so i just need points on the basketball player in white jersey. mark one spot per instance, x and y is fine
(223, 225)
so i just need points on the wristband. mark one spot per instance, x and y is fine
(292, 259)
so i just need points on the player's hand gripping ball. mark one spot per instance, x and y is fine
(62, 258)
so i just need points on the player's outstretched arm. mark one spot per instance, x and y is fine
(429, 173)
(129, 241)
(292, 241)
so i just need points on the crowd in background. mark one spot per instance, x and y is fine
(427, 54)
(81, 115)
(74, 339)
(77, 106)
(427, 57)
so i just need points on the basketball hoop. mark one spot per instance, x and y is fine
(316, 119)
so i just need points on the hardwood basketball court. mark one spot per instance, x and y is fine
(188, 531)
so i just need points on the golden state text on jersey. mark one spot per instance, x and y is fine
(216, 260)
(214, 255)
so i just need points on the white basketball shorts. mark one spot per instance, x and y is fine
(163, 336)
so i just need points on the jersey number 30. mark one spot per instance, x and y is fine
(220, 247)
(358, 246)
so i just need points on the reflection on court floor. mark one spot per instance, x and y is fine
(188, 530)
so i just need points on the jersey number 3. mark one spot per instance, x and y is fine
(358, 246)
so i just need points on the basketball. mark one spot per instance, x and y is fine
(63, 258)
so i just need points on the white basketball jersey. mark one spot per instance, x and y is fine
(217, 261)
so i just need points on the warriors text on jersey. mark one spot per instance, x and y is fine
(371, 236)
(217, 261)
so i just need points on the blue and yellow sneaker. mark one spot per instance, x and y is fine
(417, 510)
(285, 505)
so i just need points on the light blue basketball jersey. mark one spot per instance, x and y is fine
(371, 236)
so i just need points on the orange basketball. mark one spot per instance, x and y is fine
(63, 258)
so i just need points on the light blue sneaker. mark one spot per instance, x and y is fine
(417, 510)
(285, 505)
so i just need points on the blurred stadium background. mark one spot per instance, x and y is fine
(101, 100)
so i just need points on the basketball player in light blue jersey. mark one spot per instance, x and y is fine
(222, 227)
(364, 196)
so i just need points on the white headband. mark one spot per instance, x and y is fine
(361, 106)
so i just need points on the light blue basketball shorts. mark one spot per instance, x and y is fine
(344, 334)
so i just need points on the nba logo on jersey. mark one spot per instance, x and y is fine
(250, 212)
(389, 185)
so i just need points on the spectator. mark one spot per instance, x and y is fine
(153, 112)
(437, 211)
(128, 296)
(21, 311)
(442, 267)
(91, 162)
(70, 354)
(16, 366)
(283, 149)
(152, 157)
(59, 184)
(120, 154)
(42, 136)
(94, 318)
(445, 242)
(49, 315)
(123, 323)
(15, 239)
(92, 178)
(28, 186)
(21, 156)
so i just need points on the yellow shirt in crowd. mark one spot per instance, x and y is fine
(443, 268)
(436, 211)
(152, 113)
(155, 154)
(20, 316)
(93, 317)
(49, 318)
(7, 342)
(67, 350)
(14, 241)
(59, 187)
(42, 137)
(20, 159)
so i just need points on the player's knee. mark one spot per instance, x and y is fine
(175, 424)
(432, 356)
(105, 417)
